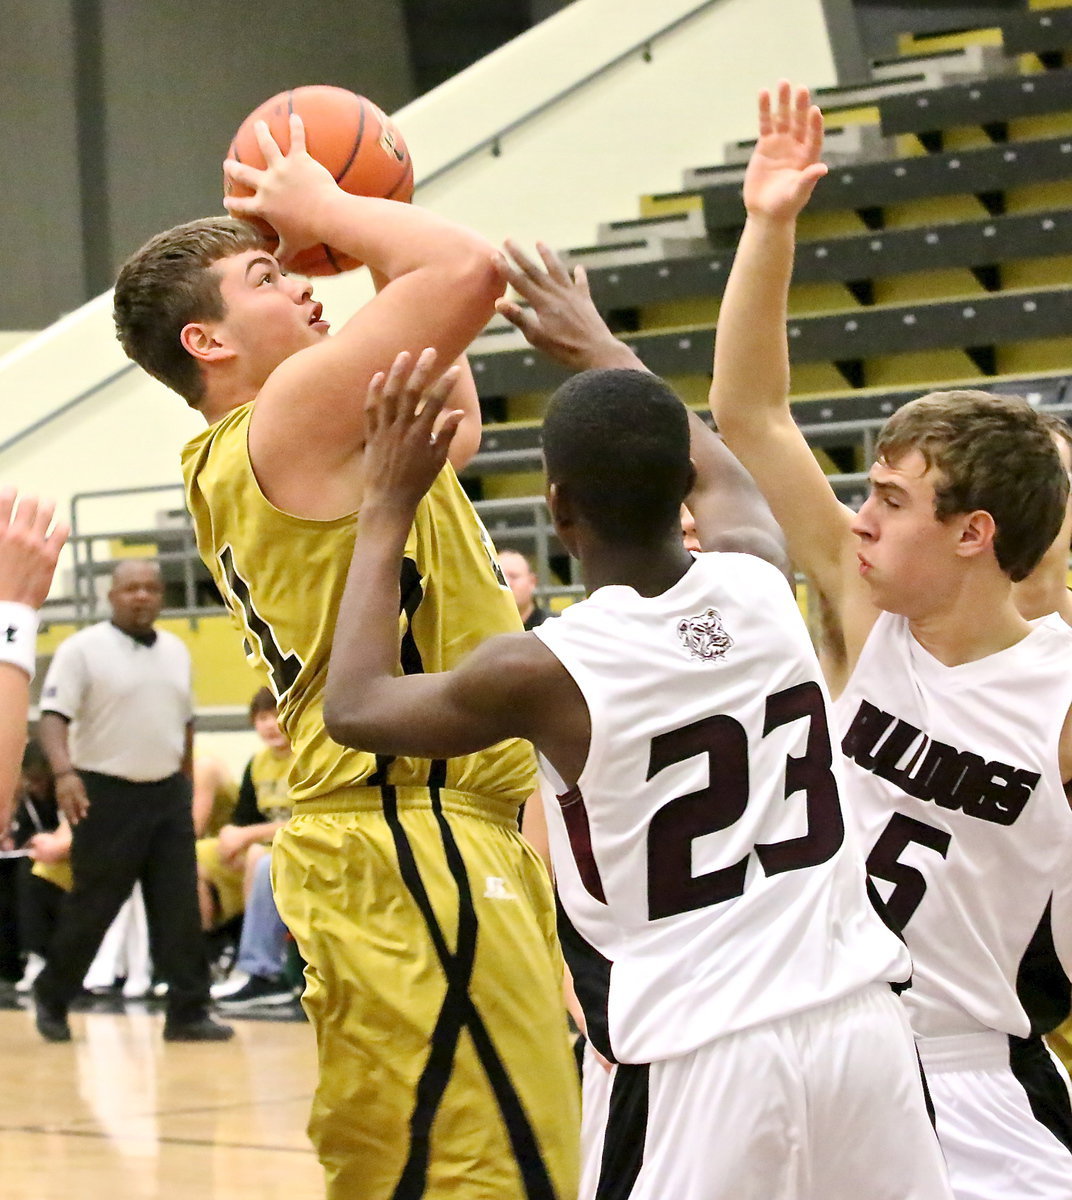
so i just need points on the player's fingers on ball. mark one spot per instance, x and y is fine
(297, 134)
(240, 206)
(268, 146)
(556, 268)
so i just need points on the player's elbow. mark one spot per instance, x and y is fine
(476, 271)
(348, 722)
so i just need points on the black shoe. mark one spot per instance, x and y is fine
(256, 992)
(205, 1029)
(51, 1020)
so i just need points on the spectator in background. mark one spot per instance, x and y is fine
(116, 725)
(215, 794)
(225, 863)
(523, 582)
(259, 975)
(37, 899)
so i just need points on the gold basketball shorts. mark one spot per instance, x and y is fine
(434, 983)
(227, 882)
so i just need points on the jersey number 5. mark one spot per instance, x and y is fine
(672, 886)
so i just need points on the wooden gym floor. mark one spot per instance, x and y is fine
(117, 1114)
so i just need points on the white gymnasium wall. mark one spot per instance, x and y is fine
(583, 161)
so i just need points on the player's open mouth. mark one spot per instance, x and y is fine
(865, 566)
(316, 317)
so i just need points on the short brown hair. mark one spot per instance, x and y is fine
(263, 701)
(168, 283)
(993, 453)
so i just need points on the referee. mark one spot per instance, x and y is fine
(116, 725)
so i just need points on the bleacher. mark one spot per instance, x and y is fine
(936, 252)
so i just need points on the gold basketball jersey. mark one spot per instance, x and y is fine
(282, 578)
(269, 773)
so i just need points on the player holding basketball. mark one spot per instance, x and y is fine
(434, 977)
(954, 709)
(713, 908)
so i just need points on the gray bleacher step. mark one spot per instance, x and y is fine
(695, 178)
(688, 223)
(990, 319)
(974, 61)
(1045, 32)
(978, 102)
(961, 172)
(862, 142)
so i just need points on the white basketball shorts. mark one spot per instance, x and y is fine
(828, 1104)
(1003, 1116)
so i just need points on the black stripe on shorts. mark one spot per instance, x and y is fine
(626, 1133)
(1046, 1090)
(458, 1012)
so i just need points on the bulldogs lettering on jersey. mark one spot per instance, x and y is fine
(953, 780)
(706, 879)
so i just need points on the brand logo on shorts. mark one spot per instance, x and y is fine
(704, 635)
(496, 889)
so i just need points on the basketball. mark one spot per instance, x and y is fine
(357, 142)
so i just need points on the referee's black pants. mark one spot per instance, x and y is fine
(133, 832)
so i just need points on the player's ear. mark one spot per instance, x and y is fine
(559, 506)
(977, 533)
(201, 342)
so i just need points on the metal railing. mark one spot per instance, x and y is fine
(643, 49)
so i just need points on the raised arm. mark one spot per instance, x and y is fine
(439, 285)
(28, 556)
(563, 322)
(750, 384)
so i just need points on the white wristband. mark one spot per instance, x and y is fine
(18, 635)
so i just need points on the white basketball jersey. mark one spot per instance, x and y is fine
(953, 780)
(705, 877)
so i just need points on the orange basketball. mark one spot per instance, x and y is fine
(357, 142)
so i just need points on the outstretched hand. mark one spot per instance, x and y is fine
(784, 167)
(562, 322)
(284, 192)
(407, 440)
(28, 550)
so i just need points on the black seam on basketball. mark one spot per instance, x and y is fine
(406, 175)
(290, 102)
(357, 146)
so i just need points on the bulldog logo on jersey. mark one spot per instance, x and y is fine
(704, 636)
